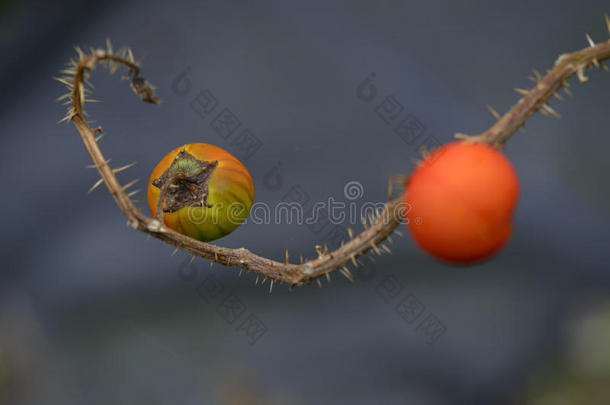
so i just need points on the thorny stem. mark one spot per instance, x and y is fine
(379, 228)
(535, 99)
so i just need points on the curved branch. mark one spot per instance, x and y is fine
(294, 274)
(370, 239)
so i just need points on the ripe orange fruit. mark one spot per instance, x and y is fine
(210, 192)
(462, 198)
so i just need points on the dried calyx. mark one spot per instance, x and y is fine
(185, 183)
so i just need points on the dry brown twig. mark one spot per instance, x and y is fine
(377, 229)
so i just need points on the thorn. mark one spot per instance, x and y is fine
(538, 75)
(387, 249)
(589, 40)
(354, 260)
(557, 96)
(551, 111)
(96, 185)
(256, 281)
(319, 250)
(241, 271)
(595, 63)
(64, 80)
(120, 169)
(63, 97)
(568, 91)
(374, 246)
(580, 72)
(287, 257)
(327, 274)
(130, 55)
(424, 151)
(397, 232)
(97, 138)
(522, 91)
(271, 286)
(264, 280)
(607, 21)
(113, 66)
(493, 112)
(390, 239)
(465, 137)
(133, 193)
(131, 183)
(350, 232)
(79, 52)
(175, 251)
(108, 46)
(592, 44)
(346, 273)
(69, 115)
(319, 283)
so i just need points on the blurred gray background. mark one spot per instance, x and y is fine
(92, 312)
